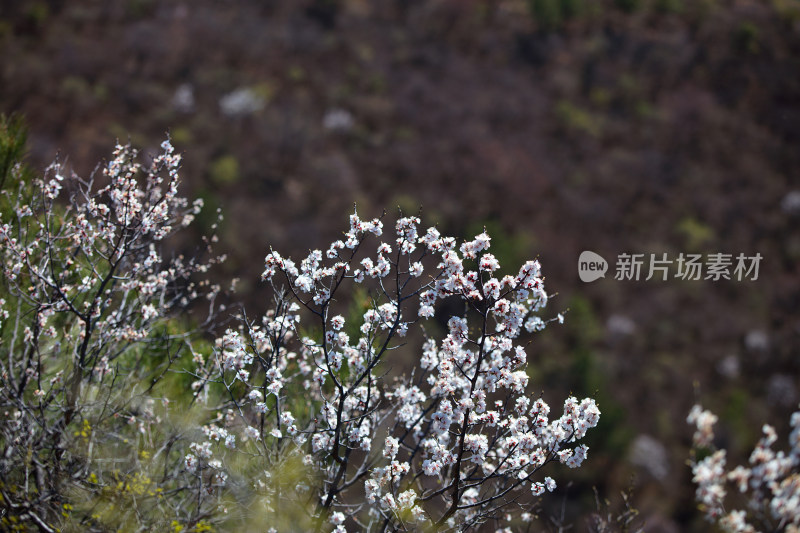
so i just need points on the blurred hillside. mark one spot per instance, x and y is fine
(638, 126)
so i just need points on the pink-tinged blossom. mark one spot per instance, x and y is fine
(407, 234)
(387, 502)
(432, 240)
(704, 421)
(337, 518)
(391, 447)
(190, 462)
(320, 442)
(709, 477)
(406, 499)
(478, 445)
(337, 322)
(489, 263)
(201, 450)
(431, 468)
(286, 418)
(303, 284)
(372, 490)
(492, 288)
(426, 311)
(275, 387)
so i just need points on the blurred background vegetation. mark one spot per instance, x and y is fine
(639, 126)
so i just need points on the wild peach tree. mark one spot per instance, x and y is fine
(453, 442)
(85, 343)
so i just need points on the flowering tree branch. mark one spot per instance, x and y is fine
(770, 486)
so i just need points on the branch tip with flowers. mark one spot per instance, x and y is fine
(767, 492)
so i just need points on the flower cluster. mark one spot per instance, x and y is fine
(450, 444)
(771, 482)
